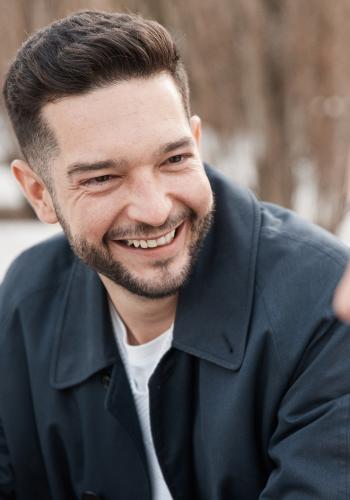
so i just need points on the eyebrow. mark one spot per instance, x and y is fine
(83, 167)
(180, 143)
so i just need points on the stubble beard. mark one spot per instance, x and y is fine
(102, 261)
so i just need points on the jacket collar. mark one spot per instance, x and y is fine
(84, 340)
(214, 308)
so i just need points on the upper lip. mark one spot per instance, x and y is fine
(151, 237)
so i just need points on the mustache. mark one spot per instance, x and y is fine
(142, 230)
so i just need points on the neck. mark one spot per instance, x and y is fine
(145, 319)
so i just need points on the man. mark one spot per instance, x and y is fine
(162, 348)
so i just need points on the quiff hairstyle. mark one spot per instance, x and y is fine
(82, 52)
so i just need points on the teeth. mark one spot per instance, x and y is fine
(163, 240)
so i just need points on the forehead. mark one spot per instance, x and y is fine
(126, 117)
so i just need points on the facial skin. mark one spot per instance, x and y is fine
(128, 168)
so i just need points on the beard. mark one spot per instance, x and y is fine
(167, 283)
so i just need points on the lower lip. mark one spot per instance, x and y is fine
(157, 251)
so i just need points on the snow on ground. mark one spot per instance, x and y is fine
(235, 156)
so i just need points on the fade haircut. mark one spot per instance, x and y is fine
(82, 52)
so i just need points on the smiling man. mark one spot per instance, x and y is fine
(136, 141)
(161, 348)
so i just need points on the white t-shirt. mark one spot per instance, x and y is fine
(140, 361)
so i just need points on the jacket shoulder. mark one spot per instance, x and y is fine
(293, 250)
(298, 268)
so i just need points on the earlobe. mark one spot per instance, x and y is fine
(35, 190)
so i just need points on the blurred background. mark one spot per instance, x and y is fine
(269, 78)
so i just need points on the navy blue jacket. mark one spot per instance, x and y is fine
(252, 400)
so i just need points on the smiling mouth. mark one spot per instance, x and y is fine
(160, 241)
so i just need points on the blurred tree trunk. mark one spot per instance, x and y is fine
(275, 179)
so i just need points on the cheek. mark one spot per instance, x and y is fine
(197, 194)
(85, 217)
(90, 221)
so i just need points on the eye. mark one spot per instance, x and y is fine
(176, 158)
(99, 180)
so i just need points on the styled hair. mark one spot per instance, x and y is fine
(82, 52)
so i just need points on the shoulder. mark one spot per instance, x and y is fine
(284, 238)
(288, 250)
(297, 265)
(40, 267)
(298, 268)
(292, 250)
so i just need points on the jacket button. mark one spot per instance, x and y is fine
(90, 495)
(105, 380)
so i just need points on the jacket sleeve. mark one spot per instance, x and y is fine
(309, 447)
(6, 471)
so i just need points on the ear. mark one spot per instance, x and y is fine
(35, 190)
(196, 128)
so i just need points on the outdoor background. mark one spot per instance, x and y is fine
(269, 78)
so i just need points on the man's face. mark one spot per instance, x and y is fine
(129, 188)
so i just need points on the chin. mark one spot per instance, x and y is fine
(165, 284)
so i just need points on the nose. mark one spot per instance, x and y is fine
(149, 202)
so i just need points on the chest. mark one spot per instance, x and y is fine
(208, 438)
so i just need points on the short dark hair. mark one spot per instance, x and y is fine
(82, 52)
